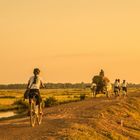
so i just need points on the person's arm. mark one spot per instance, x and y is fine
(42, 84)
(28, 83)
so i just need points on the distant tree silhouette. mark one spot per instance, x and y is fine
(49, 86)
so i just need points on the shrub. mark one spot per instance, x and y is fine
(21, 104)
(7, 97)
(82, 97)
(76, 96)
(51, 101)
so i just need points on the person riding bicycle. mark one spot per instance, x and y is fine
(34, 84)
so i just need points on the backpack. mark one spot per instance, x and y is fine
(26, 94)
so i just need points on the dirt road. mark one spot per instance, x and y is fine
(77, 120)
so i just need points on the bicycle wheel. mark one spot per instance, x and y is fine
(39, 117)
(32, 113)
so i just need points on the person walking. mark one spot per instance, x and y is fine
(119, 85)
(124, 87)
(116, 87)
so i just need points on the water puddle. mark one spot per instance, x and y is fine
(7, 114)
(12, 113)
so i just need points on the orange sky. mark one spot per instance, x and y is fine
(69, 40)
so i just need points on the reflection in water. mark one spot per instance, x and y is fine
(12, 113)
(7, 114)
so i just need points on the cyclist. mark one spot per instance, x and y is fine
(34, 84)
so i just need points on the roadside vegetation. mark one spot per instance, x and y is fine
(13, 99)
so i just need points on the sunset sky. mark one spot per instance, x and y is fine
(69, 40)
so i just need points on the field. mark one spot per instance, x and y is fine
(91, 119)
(8, 97)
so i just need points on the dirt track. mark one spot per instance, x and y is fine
(57, 122)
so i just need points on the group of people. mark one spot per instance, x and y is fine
(118, 86)
(35, 82)
(101, 82)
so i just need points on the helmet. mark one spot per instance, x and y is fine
(36, 71)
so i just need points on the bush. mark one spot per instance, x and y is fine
(76, 96)
(82, 97)
(21, 104)
(7, 97)
(51, 101)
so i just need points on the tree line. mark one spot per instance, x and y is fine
(58, 85)
(48, 85)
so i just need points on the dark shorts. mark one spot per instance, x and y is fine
(36, 93)
(116, 89)
(124, 89)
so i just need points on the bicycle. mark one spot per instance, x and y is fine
(35, 111)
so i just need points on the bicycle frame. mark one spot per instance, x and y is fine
(35, 115)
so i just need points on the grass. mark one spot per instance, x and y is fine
(82, 97)
(83, 132)
(16, 105)
(21, 104)
(108, 126)
(7, 101)
(120, 120)
(51, 101)
(7, 107)
(9, 97)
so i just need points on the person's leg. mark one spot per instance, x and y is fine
(126, 91)
(39, 101)
(28, 113)
(116, 91)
